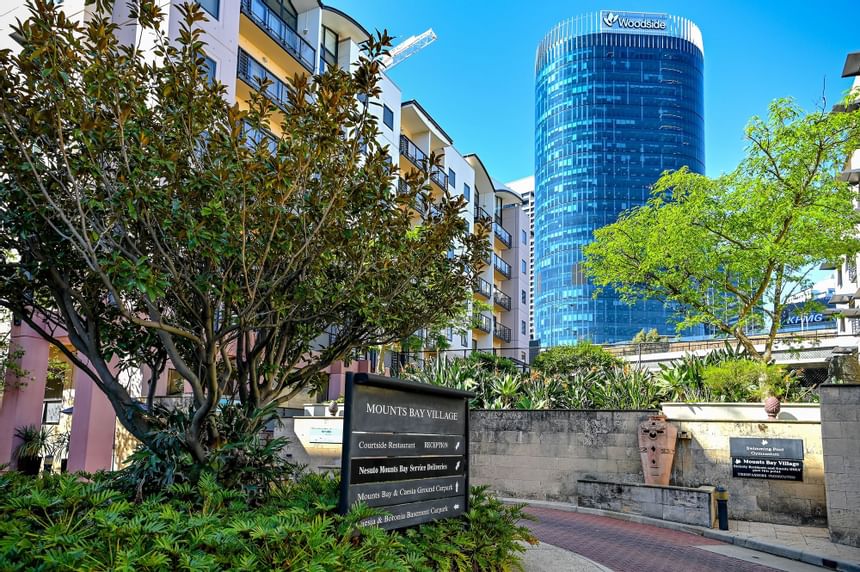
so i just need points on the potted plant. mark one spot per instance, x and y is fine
(29, 453)
(55, 448)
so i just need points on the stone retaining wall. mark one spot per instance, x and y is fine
(695, 506)
(542, 454)
(840, 429)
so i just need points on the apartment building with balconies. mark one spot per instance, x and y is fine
(276, 39)
(526, 189)
(502, 292)
(846, 297)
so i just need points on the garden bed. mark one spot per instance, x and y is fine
(62, 523)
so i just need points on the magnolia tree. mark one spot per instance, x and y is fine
(733, 251)
(149, 219)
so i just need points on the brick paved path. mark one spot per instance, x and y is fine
(631, 547)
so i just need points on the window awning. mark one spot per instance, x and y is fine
(852, 65)
(851, 175)
(827, 266)
(841, 298)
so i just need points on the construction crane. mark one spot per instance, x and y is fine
(408, 47)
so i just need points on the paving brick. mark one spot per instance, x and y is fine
(629, 546)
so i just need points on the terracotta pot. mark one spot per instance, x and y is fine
(657, 449)
(772, 407)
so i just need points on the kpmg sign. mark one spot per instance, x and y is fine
(406, 450)
(632, 22)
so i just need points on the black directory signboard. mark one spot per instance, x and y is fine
(406, 450)
(763, 458)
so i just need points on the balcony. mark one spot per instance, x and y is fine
(280, 32)
(419, 158)
(502, 299)
(502, 332)
(503, 235)
(256, 137)
(483, 288)
(252, 73)
(501, 266)
(483, 323)
(421, 204)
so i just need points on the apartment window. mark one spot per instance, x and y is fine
(175, 383)
(387, 116)
(452, 178)
(328, 49)
(211, 69)
(523, 327)
(211, 6)
(523, 266)
(523, 296)
(284, 10)
(467, 191)
(524, 237)
(463, 338)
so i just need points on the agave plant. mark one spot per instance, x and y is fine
(506, 388)
(578, 389)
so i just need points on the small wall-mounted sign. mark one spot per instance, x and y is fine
(406, 450)
(763, 458)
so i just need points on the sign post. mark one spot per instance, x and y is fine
(405, 450)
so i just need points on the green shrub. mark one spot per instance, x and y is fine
(746, 380)
(492, 363)
(240, 461)
(61, 522)
(567, 360)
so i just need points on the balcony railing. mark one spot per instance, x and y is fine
(419, 158)
(483, 323)
(481, 214)
(502, 234)
(280, 32)
(253, 72)
(502, 299)
(501, 266)
(421, 205)
(502, 332)
(256, 137)
(483, 288)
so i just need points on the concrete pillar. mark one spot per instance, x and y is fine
(23, 397)
(840, 428)
(93, 427)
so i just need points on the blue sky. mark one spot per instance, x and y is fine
(477, 79)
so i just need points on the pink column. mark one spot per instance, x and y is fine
(93, 427)
(336, 379)
(23, 397)
(362, 366)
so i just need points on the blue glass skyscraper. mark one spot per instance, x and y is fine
(618, 100)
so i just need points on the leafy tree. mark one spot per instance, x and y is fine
(153, 219)
(567, 360)
(730, 251)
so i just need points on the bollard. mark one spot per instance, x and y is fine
(723, 507)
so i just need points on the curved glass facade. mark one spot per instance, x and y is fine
(614, 108)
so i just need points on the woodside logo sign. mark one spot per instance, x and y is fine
(632, 22)
(405, 450)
